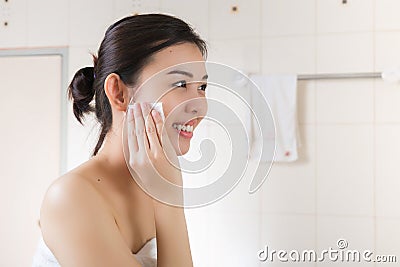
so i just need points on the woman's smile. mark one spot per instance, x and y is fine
(185, 129)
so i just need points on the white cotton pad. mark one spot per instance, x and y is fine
(156, 106)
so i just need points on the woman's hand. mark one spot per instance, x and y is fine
(151, 154)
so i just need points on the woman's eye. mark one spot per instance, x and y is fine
(203, 87)
(184, 84)
(180, 84)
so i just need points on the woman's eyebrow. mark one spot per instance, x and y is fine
(185, 73)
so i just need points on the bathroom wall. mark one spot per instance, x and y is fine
(344, 184)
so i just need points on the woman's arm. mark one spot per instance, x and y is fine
(79, 229)
(149, 147)
(173, 247)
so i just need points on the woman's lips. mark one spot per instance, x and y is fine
(192, 122)
(184, 133)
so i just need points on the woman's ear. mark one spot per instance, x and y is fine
(116, 91)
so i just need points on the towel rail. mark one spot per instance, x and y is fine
(326, 76)
(323, 76)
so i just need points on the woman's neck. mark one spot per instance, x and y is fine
(112, 154)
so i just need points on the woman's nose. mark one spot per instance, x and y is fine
(196, 106)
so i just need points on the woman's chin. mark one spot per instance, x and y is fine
(182, 149)
(181, 153)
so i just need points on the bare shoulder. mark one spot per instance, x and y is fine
(78, 228)
(67, 193)
(71, 188)
(67, 184)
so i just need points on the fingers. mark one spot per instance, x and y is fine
(143, 143)
(150, 127)
(132, 141)
(161, 132)
(158, 124)
(164, 138)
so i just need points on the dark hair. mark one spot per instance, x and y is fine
(127, 47)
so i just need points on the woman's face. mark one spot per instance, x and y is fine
(176, 76)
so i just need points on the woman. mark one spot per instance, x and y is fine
(96, 214)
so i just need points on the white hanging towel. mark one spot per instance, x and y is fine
(280, 91)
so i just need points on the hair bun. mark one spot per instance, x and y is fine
(81, 91)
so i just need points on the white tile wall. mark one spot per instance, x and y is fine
(386, 16)
(286, 17)
(225, 24)
(387, 108)
(287, 232)
(345, 101)
(127, 7)
(387, 170)
(291, 54)
(233, 239)
(342, 53)
(387, 55)
(345, 170)
(90, 21)
(387, 237)
(290, 187)
(334, 16)
(15, 13)
(194, 12)
(236, 53)
(50, 29)
(306, 94)
(238, 200)
(357, 231)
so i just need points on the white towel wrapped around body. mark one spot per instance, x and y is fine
(147, 255)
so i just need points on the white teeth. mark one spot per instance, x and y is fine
(180, 127)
